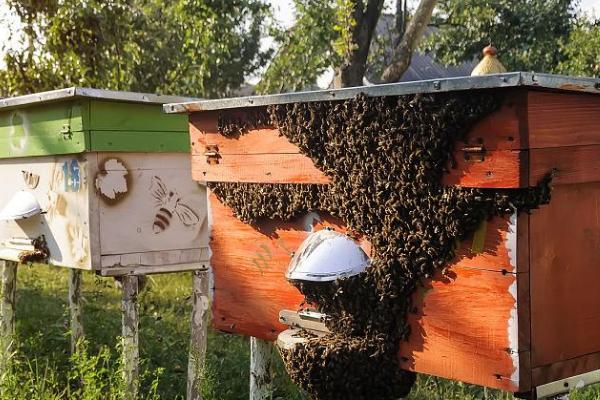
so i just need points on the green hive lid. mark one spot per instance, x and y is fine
(77, 120)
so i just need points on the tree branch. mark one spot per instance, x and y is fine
(409, 41)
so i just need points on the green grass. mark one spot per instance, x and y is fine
(44, 370)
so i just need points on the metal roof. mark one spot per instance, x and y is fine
(512, 79)
(76, 92)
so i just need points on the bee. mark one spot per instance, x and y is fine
(168, 204)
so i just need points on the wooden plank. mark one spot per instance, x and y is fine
(575, 164)
(261, 374)
(139, 141)
(500, 169)
(198, 332)
(249, 264)
(130, 336)
(565, 254)
(565, 369)
(265, 156)
(35, 131)
(149, 203)
(469, 342)
(120, 116)
(8, 291)
(75, 308)
(563, 119)
(258, 168)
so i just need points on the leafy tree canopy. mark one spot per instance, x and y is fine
(527, 33)
(580, 50)
(190, 47)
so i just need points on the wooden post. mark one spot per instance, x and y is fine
(199, 332)
(75, 308)
(261, 358)
(7, 310)
(130, 333)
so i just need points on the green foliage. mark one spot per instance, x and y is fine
(43, 370)
(527, 33)
(306, 50)
(580, 50)
(193, 47)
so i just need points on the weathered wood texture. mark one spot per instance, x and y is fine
(198, 332)
(130, 335)
(261, 365)
(36, 131)
(8, 292)
(562, 119)
(565, 255)
(75, 308)
(151, 211)
(263, 155)
(250, 289)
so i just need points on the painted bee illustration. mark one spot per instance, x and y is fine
(168, 203)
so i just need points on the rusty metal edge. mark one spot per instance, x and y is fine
(512, 79)
(100, 94)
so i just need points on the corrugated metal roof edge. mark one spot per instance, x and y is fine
(511, 79)
(79, 92)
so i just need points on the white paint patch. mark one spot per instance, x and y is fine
(513, 334)
(513, 321)
(511, 241)
(113, 182)
(18, 134)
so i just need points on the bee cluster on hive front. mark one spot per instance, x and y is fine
(386, 157)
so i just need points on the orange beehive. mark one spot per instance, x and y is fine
(530, 309)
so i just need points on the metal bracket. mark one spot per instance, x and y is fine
(66, 132)
(474, 153)
(557, 388)
(212, 154)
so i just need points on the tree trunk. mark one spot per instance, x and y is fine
(130, 333)
(404, 51)
(352, 71)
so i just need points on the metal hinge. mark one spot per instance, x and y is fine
(474, 153)
(212, 154)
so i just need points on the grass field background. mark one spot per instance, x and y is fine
(43, 368)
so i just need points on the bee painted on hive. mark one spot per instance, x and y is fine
(168, 204)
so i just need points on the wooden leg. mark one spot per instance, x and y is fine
(130, 333)
(7, 311)
(261, 358)
(199, 332)
(75, 307)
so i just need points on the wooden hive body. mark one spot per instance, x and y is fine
(529, 309)
(94, 161)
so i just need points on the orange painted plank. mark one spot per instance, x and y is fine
(575, 164)
(499, 169)
(461, 330)
(249, 264)
(258, 168)
(563, 119)
(565, 260)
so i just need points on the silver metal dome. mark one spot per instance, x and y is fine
(327, 255)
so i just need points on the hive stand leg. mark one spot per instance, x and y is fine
(199, 332)
(130, 321)
(7, 310)
(75, 308)
(261, 358)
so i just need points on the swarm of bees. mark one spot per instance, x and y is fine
(40, 252)
(386, 157)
